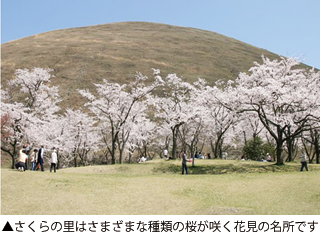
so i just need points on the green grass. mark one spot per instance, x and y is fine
(157, 187)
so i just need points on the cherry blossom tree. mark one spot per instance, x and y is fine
(5, 126)
(137, 116)
(219, 118)
(142, 137)
(114, 104)
(13, 127)
(40, 98)
(249, 128)
(78, 137)
(175, 107)
(192, 134)
(284, 97)
(276, 97)
(30, 118)
(163, 138)
(311, 143)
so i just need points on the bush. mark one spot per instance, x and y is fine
(253, 148)
(256, 147)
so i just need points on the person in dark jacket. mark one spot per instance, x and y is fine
(303, 162)
(40, 157)
(184, 163)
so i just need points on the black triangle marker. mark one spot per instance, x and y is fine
(7, 227)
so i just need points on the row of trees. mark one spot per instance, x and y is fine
(276, 101)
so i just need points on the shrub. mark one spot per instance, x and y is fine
(256, 147)
(253, 148)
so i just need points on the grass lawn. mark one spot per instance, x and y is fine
(157, 187)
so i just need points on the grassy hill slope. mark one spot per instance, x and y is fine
(82, 56)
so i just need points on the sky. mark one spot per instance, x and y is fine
(289, 28)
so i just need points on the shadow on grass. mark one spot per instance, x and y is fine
(225, 169)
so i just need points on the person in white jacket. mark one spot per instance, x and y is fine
(54, 160)
(165, 153)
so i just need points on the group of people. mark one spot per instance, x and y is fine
(196, 155)
(184, 158)
(261, 159)
(36, 159)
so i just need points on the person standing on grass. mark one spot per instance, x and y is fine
(184, 163)
(34, 159)
(304, 162)
(53, 160)
(40, 157)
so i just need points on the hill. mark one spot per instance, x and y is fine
(86, 55)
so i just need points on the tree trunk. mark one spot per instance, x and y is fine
(193, 159)
(279, 149)
(114, 147)
(58, 160)
(121, 149)
(290, 149)
(75, 161)
(289, 145)
(245, 138)
(113, 152)
(12, 154)
(218, 147)
(130, 156)
(317, 149)
(174, 142)
(213, 148)
(13, 161)
(193, 151)
(145, 149)
(279, 154)
(114, 140)
(106, 155)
